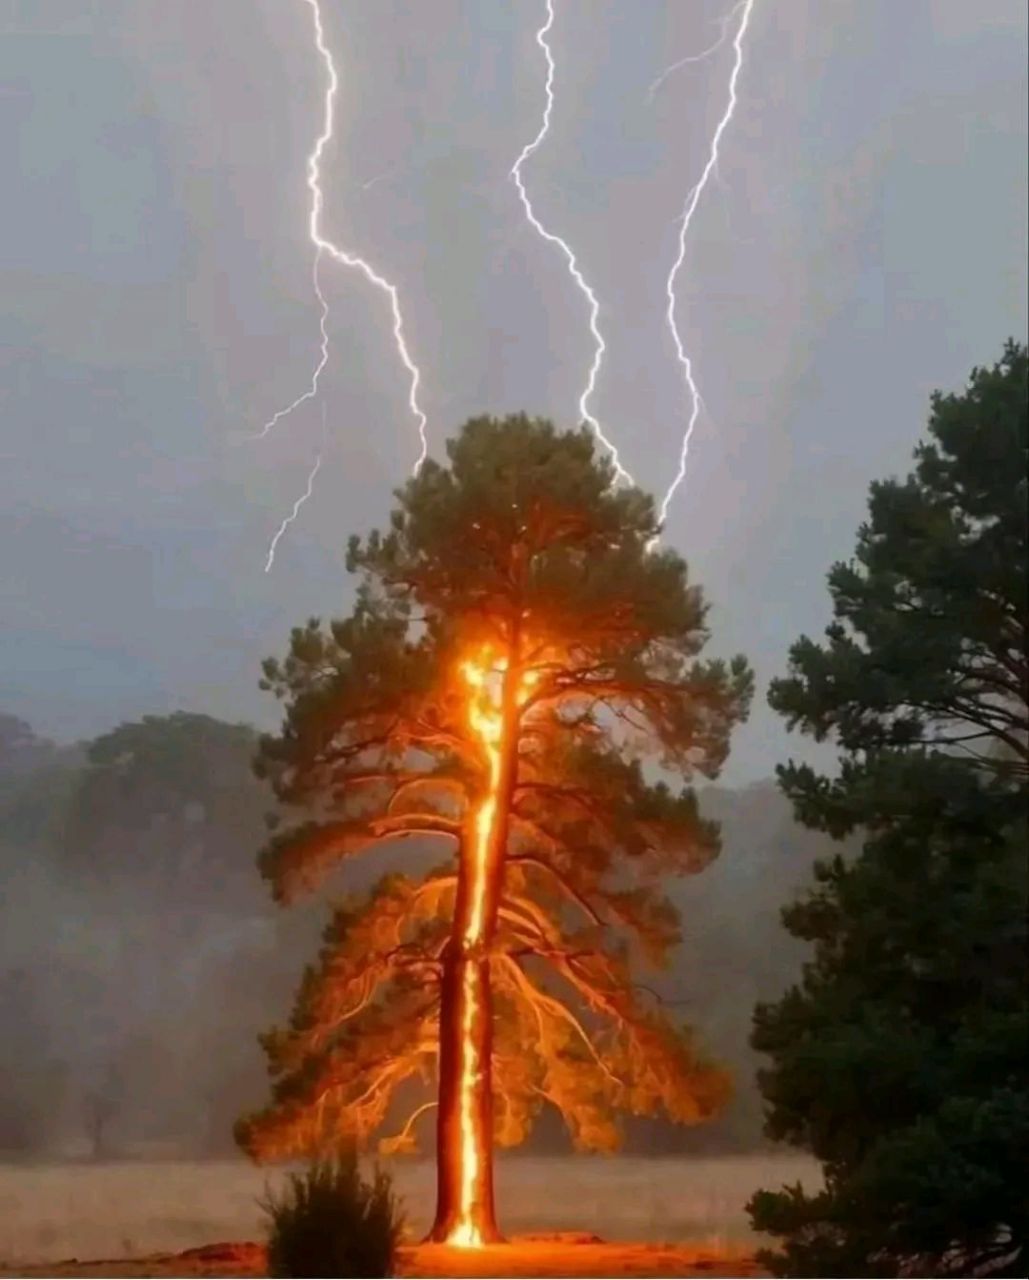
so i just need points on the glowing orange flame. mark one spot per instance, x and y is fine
(483, 675)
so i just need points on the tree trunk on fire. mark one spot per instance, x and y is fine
(456, 1165)
(465, 1212)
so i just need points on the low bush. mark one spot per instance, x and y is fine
(330, 1221)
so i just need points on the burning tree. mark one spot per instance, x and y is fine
(516, 647)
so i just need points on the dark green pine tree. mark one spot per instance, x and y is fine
(899, 1060)
(516, 650)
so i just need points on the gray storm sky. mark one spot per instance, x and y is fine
(864, 244)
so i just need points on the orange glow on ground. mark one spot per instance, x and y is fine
(482, 674)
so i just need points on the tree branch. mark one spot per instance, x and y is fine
(553, 1006)
(387, 1145)
(570, 890)
(411, 824)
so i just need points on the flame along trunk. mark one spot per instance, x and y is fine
(465, 1213)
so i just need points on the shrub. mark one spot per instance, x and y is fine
(329, 1221)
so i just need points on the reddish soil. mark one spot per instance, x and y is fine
(572, 1256)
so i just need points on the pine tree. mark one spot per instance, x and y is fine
(516, 649)
(899, 1060)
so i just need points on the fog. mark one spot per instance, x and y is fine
(122, 1210)
(143, 955)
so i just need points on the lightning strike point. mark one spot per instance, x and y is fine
(600, 346)
(690, 207)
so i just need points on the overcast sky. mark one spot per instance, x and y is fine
(865, 243)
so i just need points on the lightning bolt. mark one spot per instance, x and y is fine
(347, 259)
(293, 514)
(312, 391)
(695, 57)
(303, 497)
(573, 268)
(690, 207)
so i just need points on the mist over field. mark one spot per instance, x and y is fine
(144, 956)
(129, 1021)
(119, 1209)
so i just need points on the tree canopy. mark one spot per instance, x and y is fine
(899, 1058)
(928, 645)
(516, 648)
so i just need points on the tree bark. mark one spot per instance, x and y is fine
(464, 1126)
(450, 1156)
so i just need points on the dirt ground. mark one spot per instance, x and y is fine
(553, 1256)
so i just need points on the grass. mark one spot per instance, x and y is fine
(331, 1221)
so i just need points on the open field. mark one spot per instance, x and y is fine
(133, 1209)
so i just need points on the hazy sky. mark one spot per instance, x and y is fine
(865, 244)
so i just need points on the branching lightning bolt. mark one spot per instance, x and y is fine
(324, 246)
(695, 57)
(293, 514)
(690, 207)
(302, 499)
(312, 390)
(573, 268)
